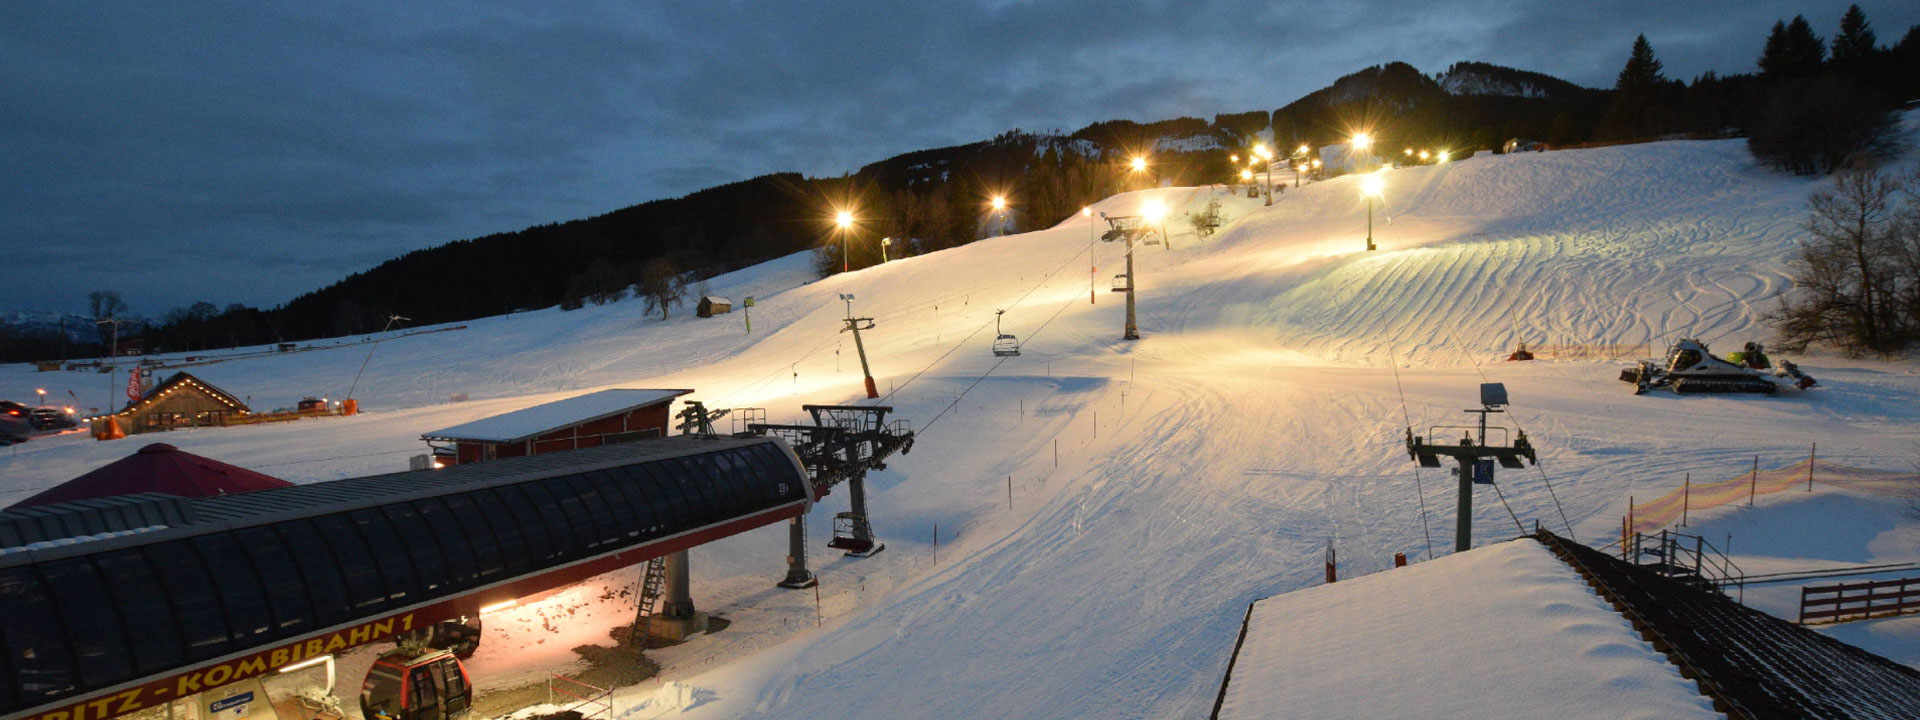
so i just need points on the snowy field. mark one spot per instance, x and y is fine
(1198, 469)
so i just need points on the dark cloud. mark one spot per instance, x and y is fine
(251, 151)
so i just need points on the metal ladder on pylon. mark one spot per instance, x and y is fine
(653, 583)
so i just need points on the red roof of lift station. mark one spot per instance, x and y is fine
(158, 468)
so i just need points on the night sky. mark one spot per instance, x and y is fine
(252, 151)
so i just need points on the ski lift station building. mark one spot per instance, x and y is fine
(161, 599)
(584, 421)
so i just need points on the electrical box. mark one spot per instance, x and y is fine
(1493, 394)
(1483, 471)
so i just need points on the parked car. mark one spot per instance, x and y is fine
(13, 428)
(51, 418)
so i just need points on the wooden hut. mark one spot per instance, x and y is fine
(179, 401)
(711, 306)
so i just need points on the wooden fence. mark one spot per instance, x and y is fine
(1858, 601)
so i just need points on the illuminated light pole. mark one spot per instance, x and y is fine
(43, 395)
(1093, 271)
(843, 221)
(1371, 186)
(884, 242)
(1266, 159)
(1156, 214)
(997, 208)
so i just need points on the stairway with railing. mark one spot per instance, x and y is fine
(1689, 559)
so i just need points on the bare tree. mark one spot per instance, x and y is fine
(662, 285)
(1207, 222)
(605, 283)
(106, 306)
(1845, 279)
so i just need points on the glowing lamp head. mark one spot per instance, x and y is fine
(1302, 150)
(1139, 163)
(1362, 141)
(999, 202)
(1316, 164)
(1441, 156)
(1246, 174)
(844, 219)
(1234, 157)
(1373, 184)
(1407, 151)
(1154, 211)
(1425, 155)
(1086, 212)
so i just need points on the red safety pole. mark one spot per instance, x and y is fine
(1623, 531)
(1810, 453)
(1332, 573)
(1686, 498)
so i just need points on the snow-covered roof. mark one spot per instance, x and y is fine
(716, 299)
(528, 422)
(1505, 630)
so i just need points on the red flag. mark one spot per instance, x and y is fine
(133, 384)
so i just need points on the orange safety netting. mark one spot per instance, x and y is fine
(1658, 513)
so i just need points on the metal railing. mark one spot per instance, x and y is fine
(1688, 558)
(591, 701)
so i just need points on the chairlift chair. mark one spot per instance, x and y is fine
(852, 534)
(1004, 344)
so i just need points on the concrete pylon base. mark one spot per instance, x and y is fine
(800, 583)
(673, 630)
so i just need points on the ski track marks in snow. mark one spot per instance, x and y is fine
(1257, 422)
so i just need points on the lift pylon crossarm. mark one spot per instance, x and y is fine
(1473, 453)
(845, 441)
(842, 444)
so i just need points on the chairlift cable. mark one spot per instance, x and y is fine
(1562, 510)
(996, 366)
(1418, 484)
(1503, 503)
(983, 326)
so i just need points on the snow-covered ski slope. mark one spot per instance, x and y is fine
(1199, 468)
